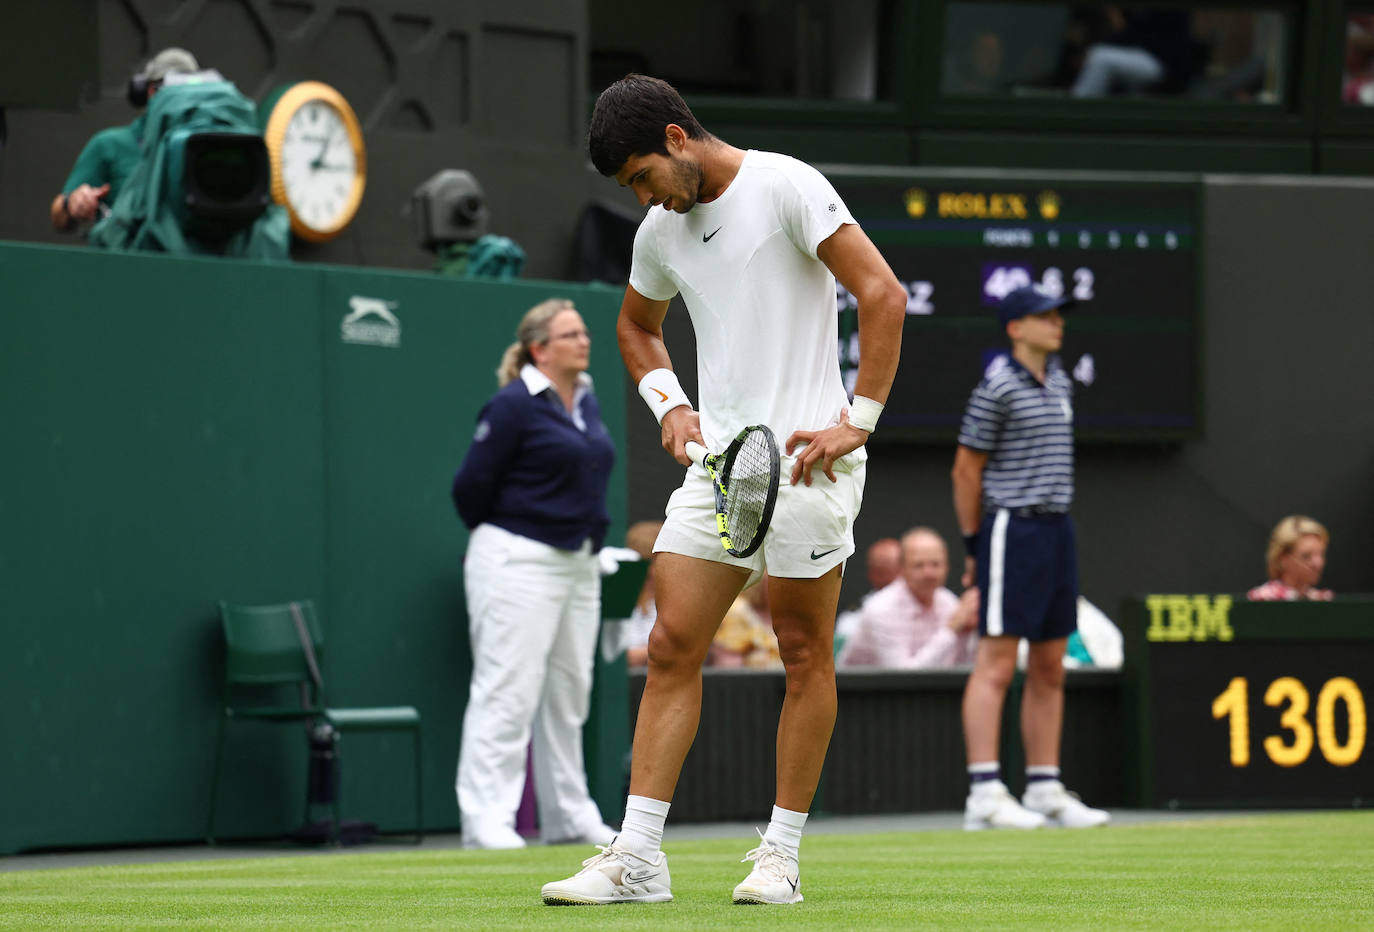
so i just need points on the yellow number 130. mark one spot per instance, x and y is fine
(1235, 703)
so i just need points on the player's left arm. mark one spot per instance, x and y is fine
(860, 267)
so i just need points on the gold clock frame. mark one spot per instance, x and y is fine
(274, 134)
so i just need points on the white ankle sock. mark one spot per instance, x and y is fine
(785, 831)
(642, 830)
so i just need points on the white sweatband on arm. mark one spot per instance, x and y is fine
(864, 412)
(661, 392)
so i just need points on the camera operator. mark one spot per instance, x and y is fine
(111, 155)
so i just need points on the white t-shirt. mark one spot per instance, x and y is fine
(762, 304)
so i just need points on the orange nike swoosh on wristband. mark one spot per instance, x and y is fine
(662, 396)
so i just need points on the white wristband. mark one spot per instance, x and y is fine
(864, 412)
(661, 392)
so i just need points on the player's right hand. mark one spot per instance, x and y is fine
(679, 426)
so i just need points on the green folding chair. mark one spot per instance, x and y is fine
(280, 645)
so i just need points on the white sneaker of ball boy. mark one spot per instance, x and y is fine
(1061, 807)
(990, 805)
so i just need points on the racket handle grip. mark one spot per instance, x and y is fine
(696, 452)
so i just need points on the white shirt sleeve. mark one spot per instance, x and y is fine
(808, 206)
(647, 275)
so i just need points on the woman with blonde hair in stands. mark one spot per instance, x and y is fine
(1296, 558)
(532, 489)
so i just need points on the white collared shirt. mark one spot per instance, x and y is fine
(537, 382)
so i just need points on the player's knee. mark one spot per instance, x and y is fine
(669, 650)
(805, 651)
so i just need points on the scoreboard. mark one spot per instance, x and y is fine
(1236, 703)
(1126, 247)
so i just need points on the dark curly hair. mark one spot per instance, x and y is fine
(630, 118)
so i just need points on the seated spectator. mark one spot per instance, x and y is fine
(1296, 558)
(111, 155)
(915, 621)
(745, 637)
(1357, 83)
(884, 563)
(635, 641)
(1146, 49)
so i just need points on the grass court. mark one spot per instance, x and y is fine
(1271, 871)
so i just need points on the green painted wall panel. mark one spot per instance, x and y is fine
(163, 450)
(182, 431)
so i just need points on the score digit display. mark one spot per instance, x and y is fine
(1246, 703)
(1125, 249)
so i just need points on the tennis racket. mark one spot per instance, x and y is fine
(745, 480)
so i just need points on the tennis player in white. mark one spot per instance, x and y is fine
(753, 242)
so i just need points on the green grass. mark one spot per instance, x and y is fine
(1286, 871)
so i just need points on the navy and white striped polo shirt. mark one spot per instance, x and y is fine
(1027, 431)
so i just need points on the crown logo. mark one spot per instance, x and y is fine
(915, 203)
(1049, 204)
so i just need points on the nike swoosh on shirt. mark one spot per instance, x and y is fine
(706, 237)
(662, 396)
(817, 556)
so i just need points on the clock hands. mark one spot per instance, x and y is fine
(318, 162)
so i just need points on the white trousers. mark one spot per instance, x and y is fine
(534, 612)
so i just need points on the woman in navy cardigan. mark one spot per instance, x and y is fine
(532, 488)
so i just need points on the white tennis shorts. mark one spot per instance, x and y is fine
(812, 530)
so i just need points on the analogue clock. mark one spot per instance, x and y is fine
(319, 164)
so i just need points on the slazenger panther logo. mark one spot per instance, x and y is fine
(370, 322)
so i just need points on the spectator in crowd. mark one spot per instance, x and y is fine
(915, 621)
(1013, 485)
(640, 538)
(1357, 83)
(1296, 558)
(1146, 49)
(111, 155)
(883, 562)
(532, 488)
(745, 637)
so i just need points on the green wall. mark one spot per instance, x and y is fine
(182, 431)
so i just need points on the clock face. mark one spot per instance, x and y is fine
(319, 166)
(318, 160)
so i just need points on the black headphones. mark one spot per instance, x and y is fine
(137, 91)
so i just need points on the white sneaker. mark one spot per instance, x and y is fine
(616, 875)
(990, 805)
(1062, 808)
(493, 838)
(775, 879)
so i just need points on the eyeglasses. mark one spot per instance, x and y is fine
(570, 335)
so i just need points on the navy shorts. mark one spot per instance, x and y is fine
(1027, 575)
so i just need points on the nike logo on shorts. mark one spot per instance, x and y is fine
(706, 237)
(817, 556)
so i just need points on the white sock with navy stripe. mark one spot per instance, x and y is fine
(983, 774)
(1040, 773)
